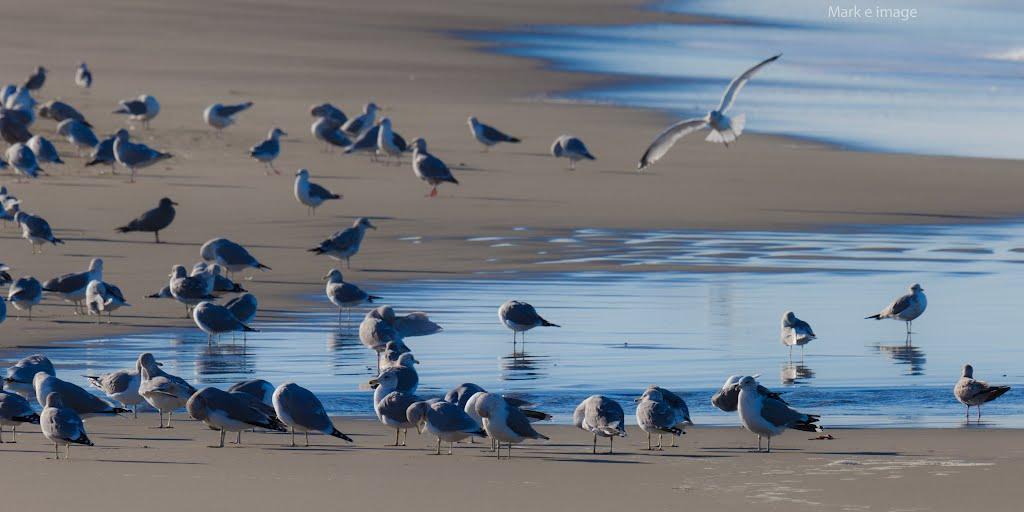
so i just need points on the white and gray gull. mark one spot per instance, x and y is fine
(429, 168)
(600, 416)
(144, 109)
(299, 409)
(972, 392)
(571, 147)
(906, 308)
(488, 135)
(163, 391)
(268, 150)
(135, 156)
(71, 287)
(221, 116)
(344, 244)
(769, 417)
(62, 425)
(230, 412)
(311, 194)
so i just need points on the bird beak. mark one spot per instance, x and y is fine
(175, 204)
(417, 361)
(159, 364)
(374, 383)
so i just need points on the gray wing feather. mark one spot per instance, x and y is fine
(668, 138)
(737, 84)
(778, 413)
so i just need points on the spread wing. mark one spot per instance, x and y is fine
(737, 83)
(668, 138)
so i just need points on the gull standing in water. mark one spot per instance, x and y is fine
(299, 409)
(344, 244)
(405, 371)
(655, 416)
(244, 307)
(152, 221)
(226, 412)
(102, 297)
(25, 293)
(375, 334)
(446, 421)
(135, 156)
(571, 147)
(969, 391)
(724, 129)
(71, 287)
(36, 230)
(121, 386)
(795, 332)
(429, 168)
(391, 406)
(163, 391)
(409, 325)
(311, 194)
(144, 109)
(83, 402)
(83, 77)
(601, 416)
(504, 422)
(906, 308)
(62, 425)
(214, 319)
(19, 377)
(24, 160)
(221, 116)
(268, 150)
(15, 410)
(344, 295)
(769, 417)
(488, 135)
(521, 317)
(229, 255)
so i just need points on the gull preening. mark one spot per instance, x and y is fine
(75, 397)
(135, 155)
(504, 422)
(521, 317)
(121, 386)
(102, 297)
(71, 286)
(214, 320)
(163, 391)
(727, 398)
(186, 289)
(36, 80)
(409, 325)
(299, 409)
(13, 128)
(15, 410)
(724, 128)
(677, 405)
(103, 153)
(446, 421)
(311, 194)
(769, 417)
(36, 230)
(488, 135)
(230, 412)
(24, 161)
(328, 130)
(344, 244)
(25, 293)
(78, 134)
(260, 389)
(20, 375)
(971, 392)
(601, 416)
(244, 307)
(62, 425)
(357, 126)
(144, 109)
(221, 116)
(906, 308)
(83, 77)
(795, 332)
(654, 415)
(571, 147)
(44, 150)
(268, 150)
(154, 220)
(429, 168)
(59, 111)
(375, 334)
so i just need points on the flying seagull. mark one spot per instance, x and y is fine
(724, 129)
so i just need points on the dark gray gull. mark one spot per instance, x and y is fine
(328, 130)
(44, 150)
(83, 77)
(36, 230)
(727, 398)
(229, 255)
(186, 289)
(83, 402)
(214, 320)
(36, 80)
(23, 160)
(102, 297)
(163, 391)
(78, 134)
(258, 388)
(445, 421)
(601, 416)
(71, 286)
(25, 293)
(571, 147)
(135, 156)
(768, 417)
(344, 244)
(429, 168)
(969, 391)
(504, 422)
(230, 412)
(655, 416)
(392, 406)
(310, 194)
(152, 221)
(723, 128)
(103, 153)
(906, 308)
(12, 128)
(19, 376)
(488, 135)
(62, 425)
(521, 317)
(268, 150)
(221, 116)
(357, 126)
(122, 386)
(59, 111)
(144, 109)
(15, 410)
(299, 409)
(328, 111)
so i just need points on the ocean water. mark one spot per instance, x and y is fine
(687, 331)
(946, 81)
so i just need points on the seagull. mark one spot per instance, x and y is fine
(388, 141)
(342, 245)
(328, 111)
(429, 168)
(328, 130)
(103, 153)
(24, 160)
(12, 128)
(258, 388)
(15, 410)
(229, 255)
(311, 194)
(71, 287)
(268, 150)
(460, 395)
(393, 351)
(61, 425)
(357, 126)
(243, 307)
(571, 147)
(302, 411)
(221, 116)
(521, 317)
(975, 392)
(144, 108)
(20, 99)
(795, 332)
(220, 283)
(59, 111)
(78, 134)
(121, 386)
(344, 295)
(135, 155)
(44, 150)
(25, 293)
(19, 377)
(446, 421)
(405, 370)
(600, 416)
(375, 334)
(409, 325)
(163, 391)
(906, 308)
(152, 221)
(768, 417)
(103, 297)
(724, 129)
(75, 397)
(474, 394)
(678, 406)
(186, 289)
(655, 416)
(214, 319)
(83, 77)
(226, 412)
(36, 80)
(504, 422)
(36, 230)
(727, 398)
(391, 406)
(488, 135)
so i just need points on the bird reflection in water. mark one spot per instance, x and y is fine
(523, 366)
(224, 359)
(905, 354)
(794, 373)
(347, 353)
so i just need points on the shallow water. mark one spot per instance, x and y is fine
(683, 330)
(887, 84)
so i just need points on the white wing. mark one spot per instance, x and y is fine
(738, 83)
(668, 138)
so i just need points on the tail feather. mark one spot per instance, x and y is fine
(514, 140)
(536, 415)
(545, 323)
(262, 267)
(124, 229)
(316, 250)
(337, 433)
(996, 393)
(82, 439)
(674, 431)
(874, 317)
(246, 328)
(56, 241)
